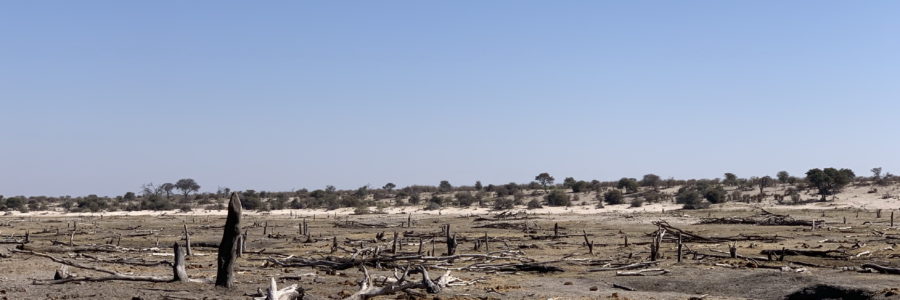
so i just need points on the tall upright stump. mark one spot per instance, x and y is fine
(228, 248)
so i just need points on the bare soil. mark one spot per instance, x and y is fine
(863, 239)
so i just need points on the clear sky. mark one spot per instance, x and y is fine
(104, 96)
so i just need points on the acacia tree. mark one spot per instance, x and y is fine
(730, 179)
(783, 177)
(629, 184)
(763, 183)
(168, 187)
(545, 179)
(186, 186)
(569, 182)
(830, 180)
(876, 173)
(389, 186)
(650, 180)
(445, 186)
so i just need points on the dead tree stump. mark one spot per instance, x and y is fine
(394, 244)
(228, 247)
(451, 245)
(679, 246)
(187, 241)
(732, 250)
(178, 270)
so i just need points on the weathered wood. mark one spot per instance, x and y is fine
(178, 270)
(882, 269)
(589, 244)
(644, 272)
(240, 246)
(732, 250)
(625, 267)
(288, 293)
(679, 247)
(187, 241)
(334, 244)
(812, 253)
(62, 273)
(451, 245)
(228, 247)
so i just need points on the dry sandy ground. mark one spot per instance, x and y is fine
(865, 238)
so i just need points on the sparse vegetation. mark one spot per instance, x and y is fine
(558, 198)
(614, 197)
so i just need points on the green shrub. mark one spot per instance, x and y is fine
(715, 194)
(534, 204)
(464, 199)
(361, 210)
(432, 206)
(691, 199)
(629, 184)
(558, 198)
(614, 197)
(637, 202)
(503, 203)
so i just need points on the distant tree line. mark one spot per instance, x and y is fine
(184, 194)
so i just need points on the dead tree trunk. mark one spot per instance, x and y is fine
(732, 250)
(654, 245)
(187, 241)
(178, 270)
(679, 247)
(334, 244)
(451, 245)
(228, 247)
(306, 227)
(394, 244)
(589, 244)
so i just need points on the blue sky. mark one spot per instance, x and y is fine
(104, 96)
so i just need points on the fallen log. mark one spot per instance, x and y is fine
(882, 269)
(179, 273)
(626, 267)
(811, 253)
(643, 272)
